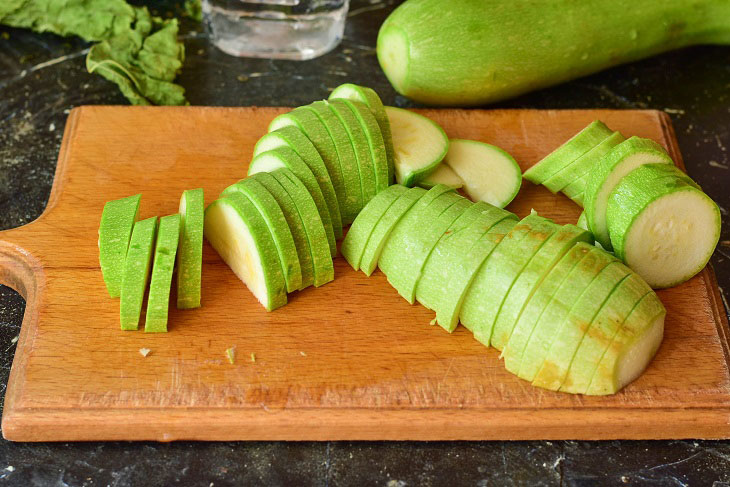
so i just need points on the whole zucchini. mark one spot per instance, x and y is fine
(470, 52)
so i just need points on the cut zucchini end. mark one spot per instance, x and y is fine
(635, 360)
(443, 174)
(232, 239)
(673, 238)
(420, 144)
(393, 50)
(489, 173)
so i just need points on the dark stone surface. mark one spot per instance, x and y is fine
(43, 76)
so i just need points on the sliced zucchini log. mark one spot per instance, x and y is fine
(371, 99)
(605, 175)
(489, 173)
(293, 138)
(662, 224)
(420, 144)
(241, 237)
(578, 145)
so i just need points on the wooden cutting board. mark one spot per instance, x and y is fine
(350, 360)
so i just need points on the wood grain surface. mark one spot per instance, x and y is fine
(349, 360)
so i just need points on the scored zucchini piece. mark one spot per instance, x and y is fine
(496, 277)
(295, 139)
(385, 226)
(528, 319)
(420, 144)
(115, 230)
(410, 244)
(531, 277)
(363, 156)
(443, 174)
(136, 272)
(190, 251)
(357, 236)
(583, 164)
(601, 332)
(456, 258)
(575, 147)
(371, 99)
(158, 301)
(241, 237)
(293, 221)
(662, 225)
(324, 270)
(489, 173)
(284, 157)
(609, 171)
(632, 348)
(557, 309)
(570, 332)
(345, 154)
(273, 215)
(318, 135)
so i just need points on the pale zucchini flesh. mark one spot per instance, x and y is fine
(420, 144)
(273, 215)
(237, 232)
(609, 171)
(443, 174)
(662, 225)
(489, 173)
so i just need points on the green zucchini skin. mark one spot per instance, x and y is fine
(480, 51)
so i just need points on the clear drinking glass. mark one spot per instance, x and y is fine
(282, 29)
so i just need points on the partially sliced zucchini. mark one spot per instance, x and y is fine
(324, 271)
(531, 277)
(357, 236)
(385, 226)
(662, 225)
(456, 258)
(410, 244)
(513, 351)
(371, 99)
(273, 215)
(632, 348)
(361, 147)
(420, 144)
(558, 308)
(317, 133)
(609, 171)
(496, 277)
(583, 164)
(293, 221)
(443, 174)
(575, 147)
(284, 157)
(241, 237)
(571, 330)
(489, 173)
(295, 139)
(601, 332)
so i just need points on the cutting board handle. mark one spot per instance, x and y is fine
(20, 271)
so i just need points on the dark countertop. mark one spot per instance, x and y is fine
(42, 77)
